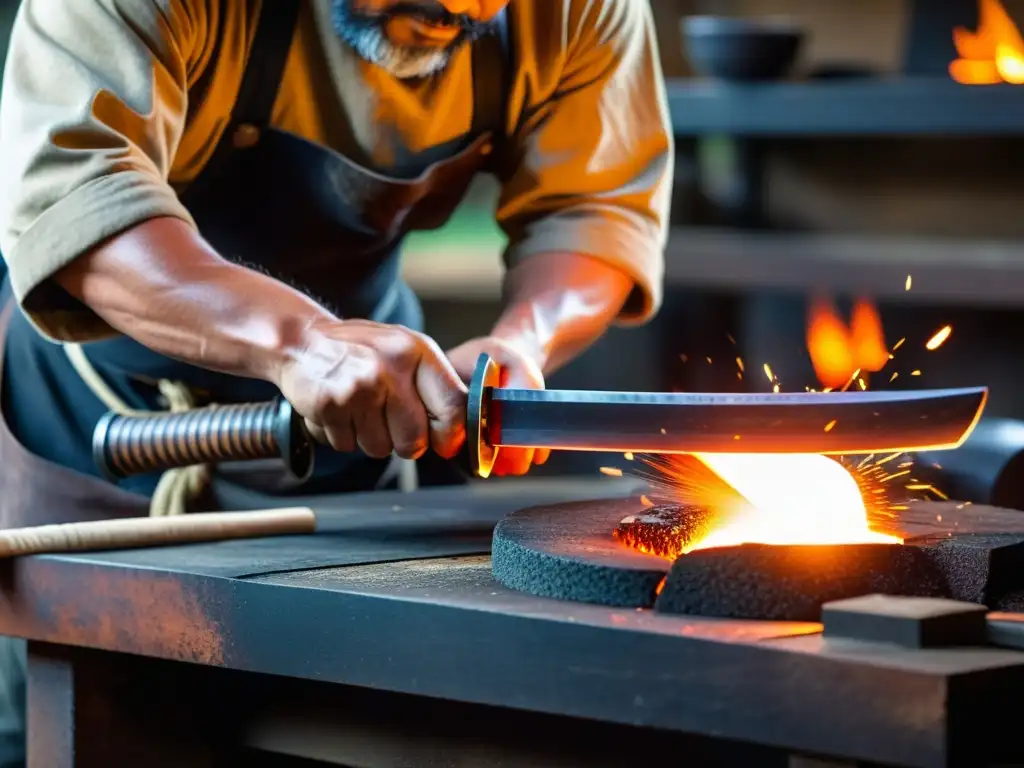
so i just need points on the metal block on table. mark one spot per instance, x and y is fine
(910, 622)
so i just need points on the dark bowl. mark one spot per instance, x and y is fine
(741, 49)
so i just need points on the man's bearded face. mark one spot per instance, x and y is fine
(413, 38)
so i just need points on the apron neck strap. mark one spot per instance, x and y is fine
(492, 78)
(264, 70)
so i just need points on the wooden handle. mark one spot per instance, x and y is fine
(154, 531)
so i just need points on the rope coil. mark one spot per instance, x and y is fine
(178, 488)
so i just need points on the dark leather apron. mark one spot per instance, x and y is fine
(279, 204)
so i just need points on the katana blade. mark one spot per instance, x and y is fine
(812, 422)
(831, 423)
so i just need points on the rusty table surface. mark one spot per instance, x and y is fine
(433, 623)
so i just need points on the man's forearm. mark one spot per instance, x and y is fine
(558, 304)
(164, 286)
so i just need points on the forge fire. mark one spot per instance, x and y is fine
(733, 499)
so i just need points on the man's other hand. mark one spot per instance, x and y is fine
(519, 371)
(380, 388)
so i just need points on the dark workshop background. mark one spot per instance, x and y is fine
(763, 216)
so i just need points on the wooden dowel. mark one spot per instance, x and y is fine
(154, 531)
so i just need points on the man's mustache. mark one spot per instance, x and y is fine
(435, 13)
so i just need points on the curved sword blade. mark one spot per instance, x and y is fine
(816, 422)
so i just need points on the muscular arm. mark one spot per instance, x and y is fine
(559, 304)
(556, 305)
(93, 113)
(585, 192)
(160, 283)
(586, 205)
(357, 383)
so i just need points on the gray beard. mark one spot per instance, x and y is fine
(371, 45)
(366, 37)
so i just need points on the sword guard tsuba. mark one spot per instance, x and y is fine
(482, 454)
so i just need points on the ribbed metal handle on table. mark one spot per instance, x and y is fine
(133, 445)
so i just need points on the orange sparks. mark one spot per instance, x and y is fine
(910, 282)
(788, 498)
(894, 475)
(939, 338)
(805, 498)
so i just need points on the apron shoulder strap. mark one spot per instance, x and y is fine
(492, 78)
(261, 80)
(503, 39)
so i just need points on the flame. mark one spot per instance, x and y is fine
(789, 499)
(993, 54)
(839, 353)
(782, 498)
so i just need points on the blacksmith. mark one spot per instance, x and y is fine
(205, 200)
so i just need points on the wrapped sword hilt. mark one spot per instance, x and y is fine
(123, 446)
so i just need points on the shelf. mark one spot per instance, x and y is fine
(949, 272)
(862, 107)
(945, 271)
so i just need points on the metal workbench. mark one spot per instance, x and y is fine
(383, 640)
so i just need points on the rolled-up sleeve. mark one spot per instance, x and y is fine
(92, 109)
(592, 154)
